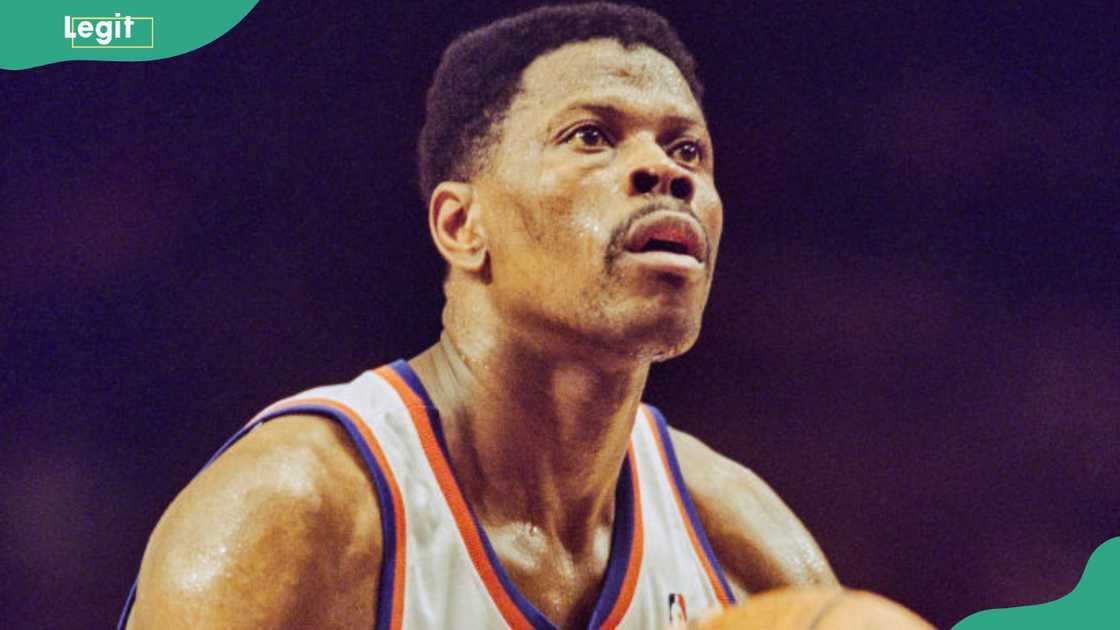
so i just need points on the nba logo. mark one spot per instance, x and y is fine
(677, 610)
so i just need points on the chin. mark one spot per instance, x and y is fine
(664, 338)
(674, 351)
(652, 326)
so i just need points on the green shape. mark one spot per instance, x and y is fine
(1092, 604)
(41, 33)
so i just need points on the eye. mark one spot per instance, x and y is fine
(688, 152)
(588, 137)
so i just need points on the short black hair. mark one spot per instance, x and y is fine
(480, 73)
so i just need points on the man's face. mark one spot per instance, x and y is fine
(599, 205)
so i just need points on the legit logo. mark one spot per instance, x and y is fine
(110, 32)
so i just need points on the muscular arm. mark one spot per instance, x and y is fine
(282, 531)
(758, 540)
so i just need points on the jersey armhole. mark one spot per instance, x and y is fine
(390, 505)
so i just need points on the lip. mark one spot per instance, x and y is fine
(682, 244)
(666, 262)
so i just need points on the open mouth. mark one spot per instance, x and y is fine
(670, 232)
(661, 245)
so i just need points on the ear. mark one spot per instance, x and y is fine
(453, 220)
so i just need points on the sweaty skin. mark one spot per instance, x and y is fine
(550, 328)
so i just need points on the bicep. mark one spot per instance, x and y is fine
(760, 542)
(281, 531)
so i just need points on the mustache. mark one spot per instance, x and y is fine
(618, 237)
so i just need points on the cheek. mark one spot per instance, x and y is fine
(710, 212)
(570, 212)
(591, 232)
(716, 227)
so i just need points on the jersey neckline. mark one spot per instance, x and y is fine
(626, 537)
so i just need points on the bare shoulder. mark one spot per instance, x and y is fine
(757, 538)
(282, 531)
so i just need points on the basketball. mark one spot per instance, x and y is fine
(818, 608)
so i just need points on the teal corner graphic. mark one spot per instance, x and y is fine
(42, 33)
(1092, 604)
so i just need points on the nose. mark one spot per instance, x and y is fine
(661, 177)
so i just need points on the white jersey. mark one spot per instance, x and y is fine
(439, 569)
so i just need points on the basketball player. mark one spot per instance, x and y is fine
(509, 475)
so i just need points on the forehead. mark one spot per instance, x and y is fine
(604, 68)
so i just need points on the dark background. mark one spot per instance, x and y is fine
(912, 336)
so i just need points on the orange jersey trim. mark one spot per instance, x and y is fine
(455, 501)
(471, 537)
(637, 549)
(721, 594)
(397, 615)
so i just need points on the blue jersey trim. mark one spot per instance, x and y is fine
(123, 621)
(622, 533)
(131, 600)
(678, 479)
(622, 538)
(536, 617)
(384, 496)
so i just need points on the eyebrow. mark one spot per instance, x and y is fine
(613, 114)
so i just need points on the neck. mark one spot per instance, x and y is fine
(533, 438)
